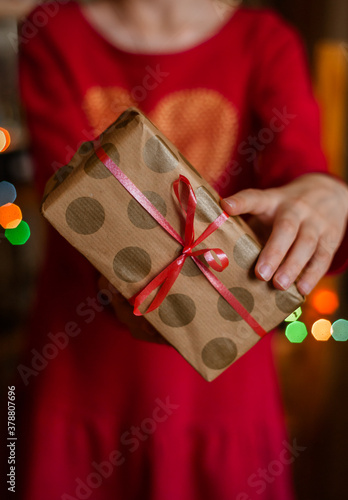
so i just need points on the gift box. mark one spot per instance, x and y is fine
(145, 218)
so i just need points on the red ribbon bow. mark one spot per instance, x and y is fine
(168, 276)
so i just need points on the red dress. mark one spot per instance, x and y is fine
(109, 416)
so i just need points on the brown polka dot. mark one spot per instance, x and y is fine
(246, 251)
(98, 141)
(85, 215)
(95, 168)
(58, 178)
(85, 148)
(243, 296)
(177, 310)
(158, 157)
(219, 353)
(125, 118)
(207, 209)
(139, 217)
(286, 301)
(111, 150)
(132, 264)
(189, 268)
(189, 165)
(62, 174)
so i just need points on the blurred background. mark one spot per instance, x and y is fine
(313, 374)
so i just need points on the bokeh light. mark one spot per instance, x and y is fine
(16, 230)
(10, 216)
(294, 316)
(296, 332)
(321, 329)
(339, 330)
(18, 235)
(5, 139)
(325, 301)
(8, 193)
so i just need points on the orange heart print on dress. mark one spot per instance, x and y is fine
(201, 123)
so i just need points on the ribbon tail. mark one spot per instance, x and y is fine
(165, 280)
(209, 258)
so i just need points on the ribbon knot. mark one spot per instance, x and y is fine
(187, 250)
(166, 279)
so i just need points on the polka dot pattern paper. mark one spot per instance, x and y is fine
(95, 213)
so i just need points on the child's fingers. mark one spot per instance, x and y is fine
(251, 201)
(299, 256)
(284, 233)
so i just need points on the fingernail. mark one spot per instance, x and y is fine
(283, 280)
(304, 288)
(265, 271)
(231, 203)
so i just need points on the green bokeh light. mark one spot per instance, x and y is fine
(18, 235)
(339, 330)
(294, 316)
(296, 332)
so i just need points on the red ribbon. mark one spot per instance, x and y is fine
(166, 279)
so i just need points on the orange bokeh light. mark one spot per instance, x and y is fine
(10, 216)
(5, 139)
(325, 301)
(321, 329)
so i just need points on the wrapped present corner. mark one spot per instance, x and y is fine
(115, 203)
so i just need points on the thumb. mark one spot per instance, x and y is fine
(250, 201)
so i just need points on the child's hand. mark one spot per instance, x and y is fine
(139, 327)
(307, 218)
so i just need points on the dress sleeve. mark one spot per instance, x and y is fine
(284, 104)
(50, 105)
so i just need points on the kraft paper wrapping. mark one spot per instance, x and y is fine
(95, 213)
